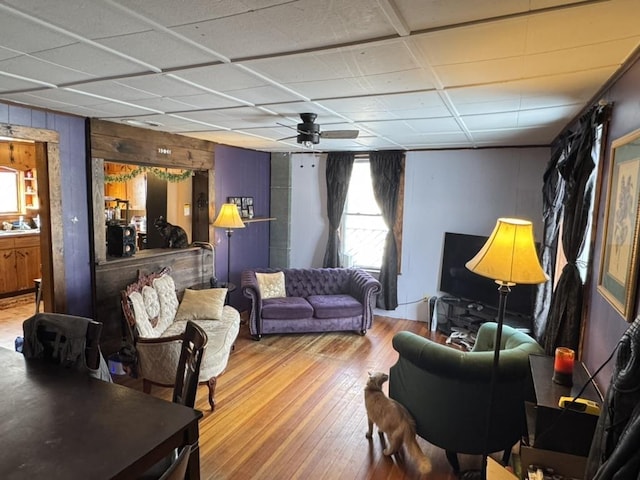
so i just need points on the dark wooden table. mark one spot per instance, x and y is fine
(57, 424)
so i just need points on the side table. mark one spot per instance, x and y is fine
(554, 428)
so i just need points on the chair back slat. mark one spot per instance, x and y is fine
(193, 345)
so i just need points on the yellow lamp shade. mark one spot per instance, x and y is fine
(228, 217)
(509, 256)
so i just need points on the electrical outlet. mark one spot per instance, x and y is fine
(426, 298)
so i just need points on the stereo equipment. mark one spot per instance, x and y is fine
(121, 240)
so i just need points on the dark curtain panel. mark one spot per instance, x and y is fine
(386, 173)
(552, 193)
(575, 165)
(339, 168)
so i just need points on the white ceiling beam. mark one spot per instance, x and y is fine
(392, 13)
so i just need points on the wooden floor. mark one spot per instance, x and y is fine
(292, 407)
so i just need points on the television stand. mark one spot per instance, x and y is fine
(469, 315)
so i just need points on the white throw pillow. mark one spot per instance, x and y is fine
(271, 285)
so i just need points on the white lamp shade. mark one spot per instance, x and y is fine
(228, 217)
(509, 256)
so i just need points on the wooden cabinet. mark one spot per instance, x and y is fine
(19, 262)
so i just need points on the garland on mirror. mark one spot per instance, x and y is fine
(163, 174)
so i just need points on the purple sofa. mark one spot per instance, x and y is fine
(318, 300)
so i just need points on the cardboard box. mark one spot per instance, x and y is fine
(565, 464)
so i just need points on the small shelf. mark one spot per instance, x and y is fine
(258, 219)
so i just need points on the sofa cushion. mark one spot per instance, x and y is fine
(271, 285)
(335, 306)
(151, 304)
(143, 324)
(166, 289)
(201, 304)
(286, 308)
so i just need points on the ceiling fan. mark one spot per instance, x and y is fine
(309, 132)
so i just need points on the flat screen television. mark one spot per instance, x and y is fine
(458, 281)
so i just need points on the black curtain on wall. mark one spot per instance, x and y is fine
(578, 156)
(387, 168)
(338, 174)
(552, 193)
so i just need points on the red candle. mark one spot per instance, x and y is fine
(564, 360)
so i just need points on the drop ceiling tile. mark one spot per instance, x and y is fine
(592, 23)
(423, 14)
(116, 89)
(22, 35)
(300, 25)
(91, 60)
(31, 67)
(568, 60)
(480, 72)
(204, 101)
(474, 43)
(161, 85)
(159, 49)
(166, 13)
(89, 19)
(11, 84)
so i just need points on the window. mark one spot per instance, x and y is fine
(9, 200)
(364, 229)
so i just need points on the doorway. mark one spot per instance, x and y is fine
(48, 171)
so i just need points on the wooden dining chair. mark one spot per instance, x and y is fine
(194, 342)
(54, 334)
(178, 469)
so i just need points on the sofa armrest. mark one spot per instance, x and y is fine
(251, 290)
(158, 358)
(363, 285)
(364, 288)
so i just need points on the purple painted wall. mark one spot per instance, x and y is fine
(242, 173)
(605, 326)
(73, 165)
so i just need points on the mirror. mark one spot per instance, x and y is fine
(138, 195)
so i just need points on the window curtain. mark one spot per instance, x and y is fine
(338, 174)
(576, 163)
(387, 168)
(552, 192)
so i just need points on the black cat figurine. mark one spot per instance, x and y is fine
(174, 235)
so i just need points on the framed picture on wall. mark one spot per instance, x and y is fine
(619, 257)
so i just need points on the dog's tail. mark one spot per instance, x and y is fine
(416, 454)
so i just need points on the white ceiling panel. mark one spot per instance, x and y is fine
(91, 60)
(408, 74)
(159, 49)
(37, 69)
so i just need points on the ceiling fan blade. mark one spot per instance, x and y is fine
(340, 134)
(286, 138)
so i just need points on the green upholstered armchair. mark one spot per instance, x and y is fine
(447, 390)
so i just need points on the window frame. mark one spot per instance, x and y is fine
(19, 196)
(396, 228)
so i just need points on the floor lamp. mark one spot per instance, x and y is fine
(229, 219)
(508, 257)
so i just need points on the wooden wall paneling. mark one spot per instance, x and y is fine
(97, 200)
(54, 293)
(122, 143)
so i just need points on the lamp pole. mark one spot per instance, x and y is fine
(503, 290)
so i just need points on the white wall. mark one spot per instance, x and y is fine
(462, 191)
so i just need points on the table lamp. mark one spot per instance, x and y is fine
(508, 257)
(229, 219)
